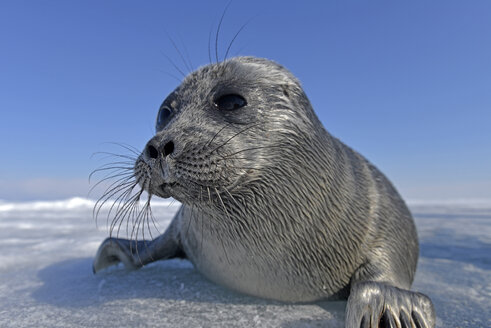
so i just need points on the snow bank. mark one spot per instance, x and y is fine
(64, 205)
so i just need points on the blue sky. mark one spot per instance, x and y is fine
(407, 84)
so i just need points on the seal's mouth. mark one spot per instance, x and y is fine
(164, 190)
(166, 186)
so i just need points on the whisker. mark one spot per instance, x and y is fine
(146, 220)
(209, 44)
(126, 208)
(110, 191)
(128, 147)
(235, 135)
(245, 168)
(131, 212)
(186, 53)
(256, 148)
(228, 216)
(110, 168)
(189, 222)
(150, 212)
(218, 30)
(121, 205)
(209, 195)
(232, 197)
(202, 217)
(107, 195)
(231, 158)
(121, 176)
(122, 199)
(122, 195)
(138, 226)
(173, 64)
(131, 158)
(216, 134)
(180, 54)
(235, 36)
(129, 163)
(171, 75)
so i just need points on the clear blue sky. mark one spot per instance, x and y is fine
(407, 84)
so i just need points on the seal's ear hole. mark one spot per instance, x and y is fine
(285, 91)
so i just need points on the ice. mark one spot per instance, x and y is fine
(46, 277)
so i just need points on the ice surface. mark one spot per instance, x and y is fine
(46, 277)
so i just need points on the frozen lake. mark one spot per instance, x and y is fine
(46, 275)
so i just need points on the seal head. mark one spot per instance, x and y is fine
(221, 128)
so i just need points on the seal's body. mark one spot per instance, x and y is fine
(273, 205)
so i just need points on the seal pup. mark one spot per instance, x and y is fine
(272, 204)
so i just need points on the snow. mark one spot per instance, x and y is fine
(46, 277)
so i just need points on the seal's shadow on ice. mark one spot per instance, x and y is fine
(71, 283)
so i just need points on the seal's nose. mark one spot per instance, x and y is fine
(168, 148)
(153, 152)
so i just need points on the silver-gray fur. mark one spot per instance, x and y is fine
(273, 205)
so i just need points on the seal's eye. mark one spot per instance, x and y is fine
(230, 102)
(163, 117)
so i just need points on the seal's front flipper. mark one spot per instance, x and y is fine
(378, 305)
(114, 250)
(135, 254)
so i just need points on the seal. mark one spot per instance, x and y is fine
(272, 204)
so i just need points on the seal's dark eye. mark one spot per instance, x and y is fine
(230, 102)
(163, 117)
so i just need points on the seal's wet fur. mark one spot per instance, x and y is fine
(273, 205)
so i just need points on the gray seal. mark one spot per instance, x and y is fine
(272, 204)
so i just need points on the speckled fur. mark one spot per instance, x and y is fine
(273, 205)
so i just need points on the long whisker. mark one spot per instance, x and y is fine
(215, 135)
(123, 211)
(209, 195)
(228, 216)
(186, 53)
(153, 218)
(121, 176)
(131, 158)
(129, 163)
(111, 190)
(209, 45)
(131, 212)
(218, 30)
(129, 148)
(146, 221)
(235, 36)
(121, 199)
(256, 148)
(190, 219)
(180, 54)
(110, 168)
(122, 204)
(138, 221)
(235, 135)
(202, 217)
(174, 65)
(123, 196)
(171, 75)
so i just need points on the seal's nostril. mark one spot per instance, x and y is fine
(152, 152)
(168, 148)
